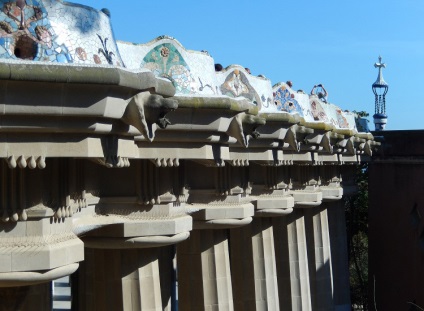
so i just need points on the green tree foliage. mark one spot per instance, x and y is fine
(357, 232)
(361, 114)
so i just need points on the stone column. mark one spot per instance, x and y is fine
(204, 277)
(36, 297)
(119, 280)
(292, 262)
(167, 268)
(253, 267)
(339, 258)
(320, 265)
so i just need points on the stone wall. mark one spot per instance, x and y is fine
(395, 221)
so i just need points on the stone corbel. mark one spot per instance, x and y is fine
(244, 126)
(291, 139)
(146, 111)
(348, 145)
(366, 147)
(321, 139)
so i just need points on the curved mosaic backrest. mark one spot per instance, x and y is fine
(318, 110)
(351, 120)
(329, 113)
(56, 31)
(234, 81)
(191, 72)
(289, 101)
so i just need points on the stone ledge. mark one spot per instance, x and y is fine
(83, 74)
(278, 212)
(14, 279)
(306, 198)
(221, 212)
(137, 242)
(43, 254)
(331, 193)
(274, 203)
(143, 228)
(222, 223)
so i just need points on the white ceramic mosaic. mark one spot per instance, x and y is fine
(191, 72)
(61, 32)
(56, 31)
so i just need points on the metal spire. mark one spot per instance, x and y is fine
(380, 88)
(380, 80)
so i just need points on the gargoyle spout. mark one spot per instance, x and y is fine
(145, 111)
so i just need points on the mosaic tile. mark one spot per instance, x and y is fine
(166, 61)
(318, 112)
(235, 81)
(44, 30)
(285, 100)
(192, 72)
(236, 84)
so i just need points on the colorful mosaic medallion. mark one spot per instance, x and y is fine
(318, 112)
(167, 62)
(287, 102)
(26, 33)
(236, 84)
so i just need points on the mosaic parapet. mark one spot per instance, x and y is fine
(198, 86)
(191, 72)
(56, 31)
(311, 110)
(287, 100)
(235, 81)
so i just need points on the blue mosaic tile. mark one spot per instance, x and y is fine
(286, 101)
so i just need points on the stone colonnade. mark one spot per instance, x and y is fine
(232, 254)
(294, 260)
(122, 183)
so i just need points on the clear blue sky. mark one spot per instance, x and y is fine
(331, 42)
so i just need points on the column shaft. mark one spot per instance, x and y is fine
(26, 298)
(320, 264)
(253, 266)
(340, 268)
(204, 278)
(167, 277)
(126, 280)
(292, 262)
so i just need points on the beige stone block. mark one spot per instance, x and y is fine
(47, 256)
(262, 306)
(210, 291)
(277, 203)
(307, 197)
(40, 227)
(171, 150)
(225, 212)
(331, 192)
(127, 303)
(5, 261)
(28, 259)
(10, 230)
(147, 228)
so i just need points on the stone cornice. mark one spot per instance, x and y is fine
(83, 74)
